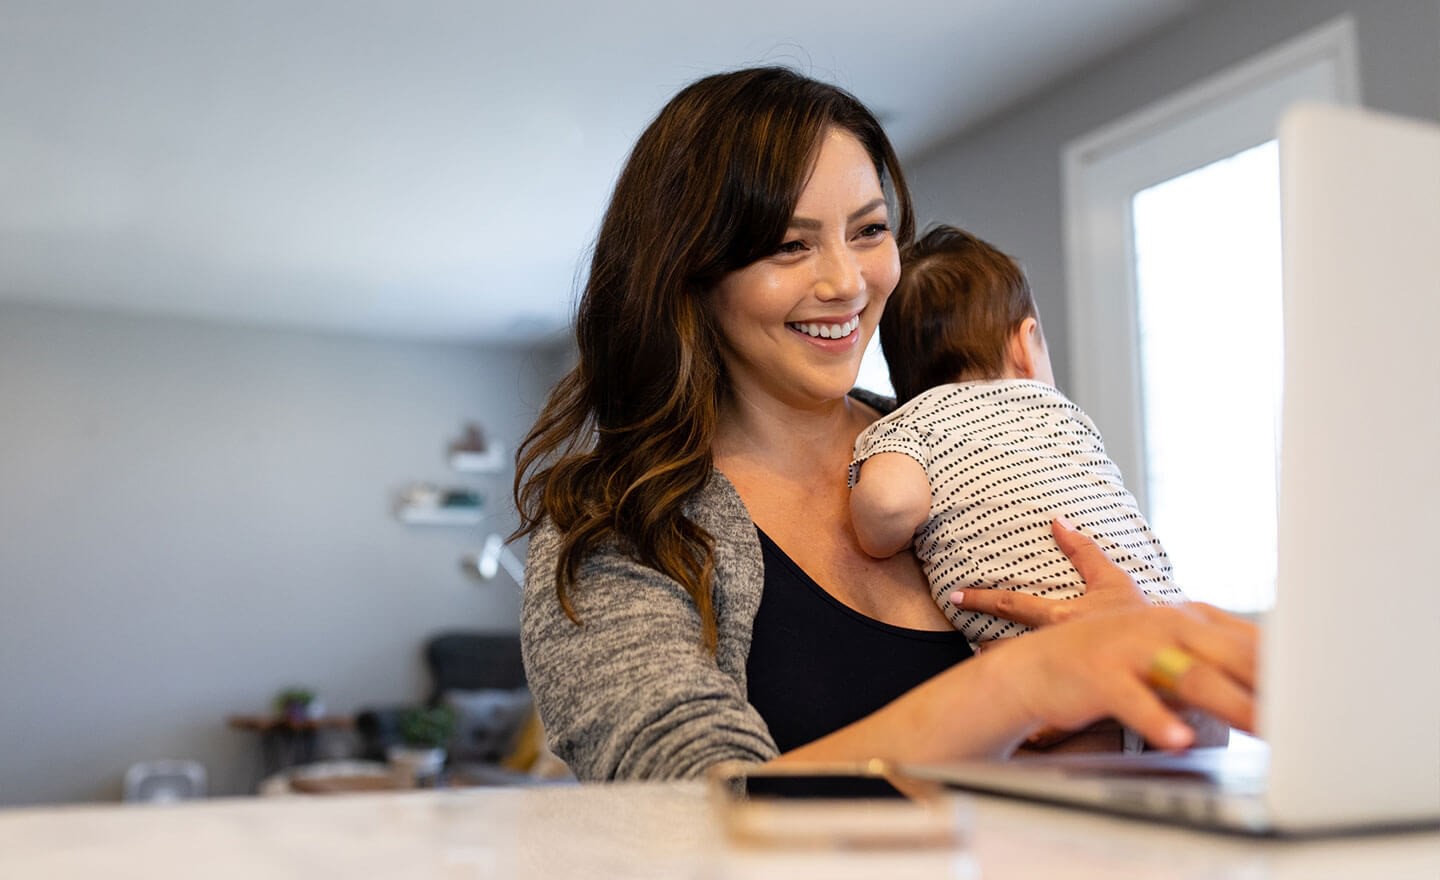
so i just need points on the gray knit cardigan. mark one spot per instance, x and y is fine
(631, 692)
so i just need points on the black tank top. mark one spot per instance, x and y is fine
(816, 665)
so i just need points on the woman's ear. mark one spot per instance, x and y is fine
(1025, 345)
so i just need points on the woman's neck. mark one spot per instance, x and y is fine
(761, 431)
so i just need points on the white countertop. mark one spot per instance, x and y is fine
(640, 831)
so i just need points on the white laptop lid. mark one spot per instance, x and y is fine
(1350, 661)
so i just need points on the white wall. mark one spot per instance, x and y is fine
(194, 516)
(1002, 179)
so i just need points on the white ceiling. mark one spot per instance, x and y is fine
(427, 168)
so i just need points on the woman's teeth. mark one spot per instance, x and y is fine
(830, 331)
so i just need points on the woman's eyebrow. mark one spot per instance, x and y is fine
(808, 223)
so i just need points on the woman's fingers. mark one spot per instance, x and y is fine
(1107, 587)
(1141, 709)
(1225, 649)
(1084, 553)
(1204, 660)
(1230, 643)
(1140, 666)
(1104, 580)
(1019, 607)
(1220, 695)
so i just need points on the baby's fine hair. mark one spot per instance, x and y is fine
(951, 317)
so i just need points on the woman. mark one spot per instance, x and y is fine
(695, 592)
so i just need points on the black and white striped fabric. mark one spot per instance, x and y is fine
(1004, 458)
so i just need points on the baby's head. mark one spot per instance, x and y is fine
(962, 311)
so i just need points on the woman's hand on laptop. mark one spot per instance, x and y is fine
(1110, 653)
(1136, 666)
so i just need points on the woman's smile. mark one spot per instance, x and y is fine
(828, 330)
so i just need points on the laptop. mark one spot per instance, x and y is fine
(1349, 689)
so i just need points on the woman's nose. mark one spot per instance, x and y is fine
(841, 276)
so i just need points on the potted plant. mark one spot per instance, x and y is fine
(297, 704)
(425, 732)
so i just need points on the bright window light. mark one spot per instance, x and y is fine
(874, 375)
(1207, 267)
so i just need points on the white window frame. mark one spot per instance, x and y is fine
(1220, 116)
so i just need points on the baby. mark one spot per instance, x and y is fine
(983, 451)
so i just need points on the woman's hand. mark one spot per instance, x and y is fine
(1107, 587)
(1136, 666)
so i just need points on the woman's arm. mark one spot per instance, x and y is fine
(1096, 661)
(630, 692)
(1065, 676)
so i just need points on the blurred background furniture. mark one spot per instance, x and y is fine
(340, 776)
(163, 782)
(287, 741)
(497, 738)
(469, 661)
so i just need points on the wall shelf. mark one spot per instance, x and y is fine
(417, 515)
(425, 504)
(491, 461)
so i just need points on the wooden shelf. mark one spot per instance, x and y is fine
(269, 723)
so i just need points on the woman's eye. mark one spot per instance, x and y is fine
(791, 247)
(871, 230)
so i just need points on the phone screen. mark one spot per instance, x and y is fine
(844, 806)
(822, 786)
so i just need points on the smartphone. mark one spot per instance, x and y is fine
(874, 804)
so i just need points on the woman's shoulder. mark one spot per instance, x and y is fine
(715, 507)
(651, 704)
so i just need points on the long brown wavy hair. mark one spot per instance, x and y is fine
(625, 437)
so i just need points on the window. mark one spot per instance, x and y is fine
(1172, 226)
(1207, 279)
(874, 374)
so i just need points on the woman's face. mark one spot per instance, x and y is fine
(795, 324)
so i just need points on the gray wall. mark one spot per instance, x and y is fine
(1003, 178)
(194, 516)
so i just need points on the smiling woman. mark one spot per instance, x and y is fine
(685, 486)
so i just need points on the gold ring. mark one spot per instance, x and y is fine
(1167, 667)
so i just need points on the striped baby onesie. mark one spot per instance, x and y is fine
(1004, 458)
